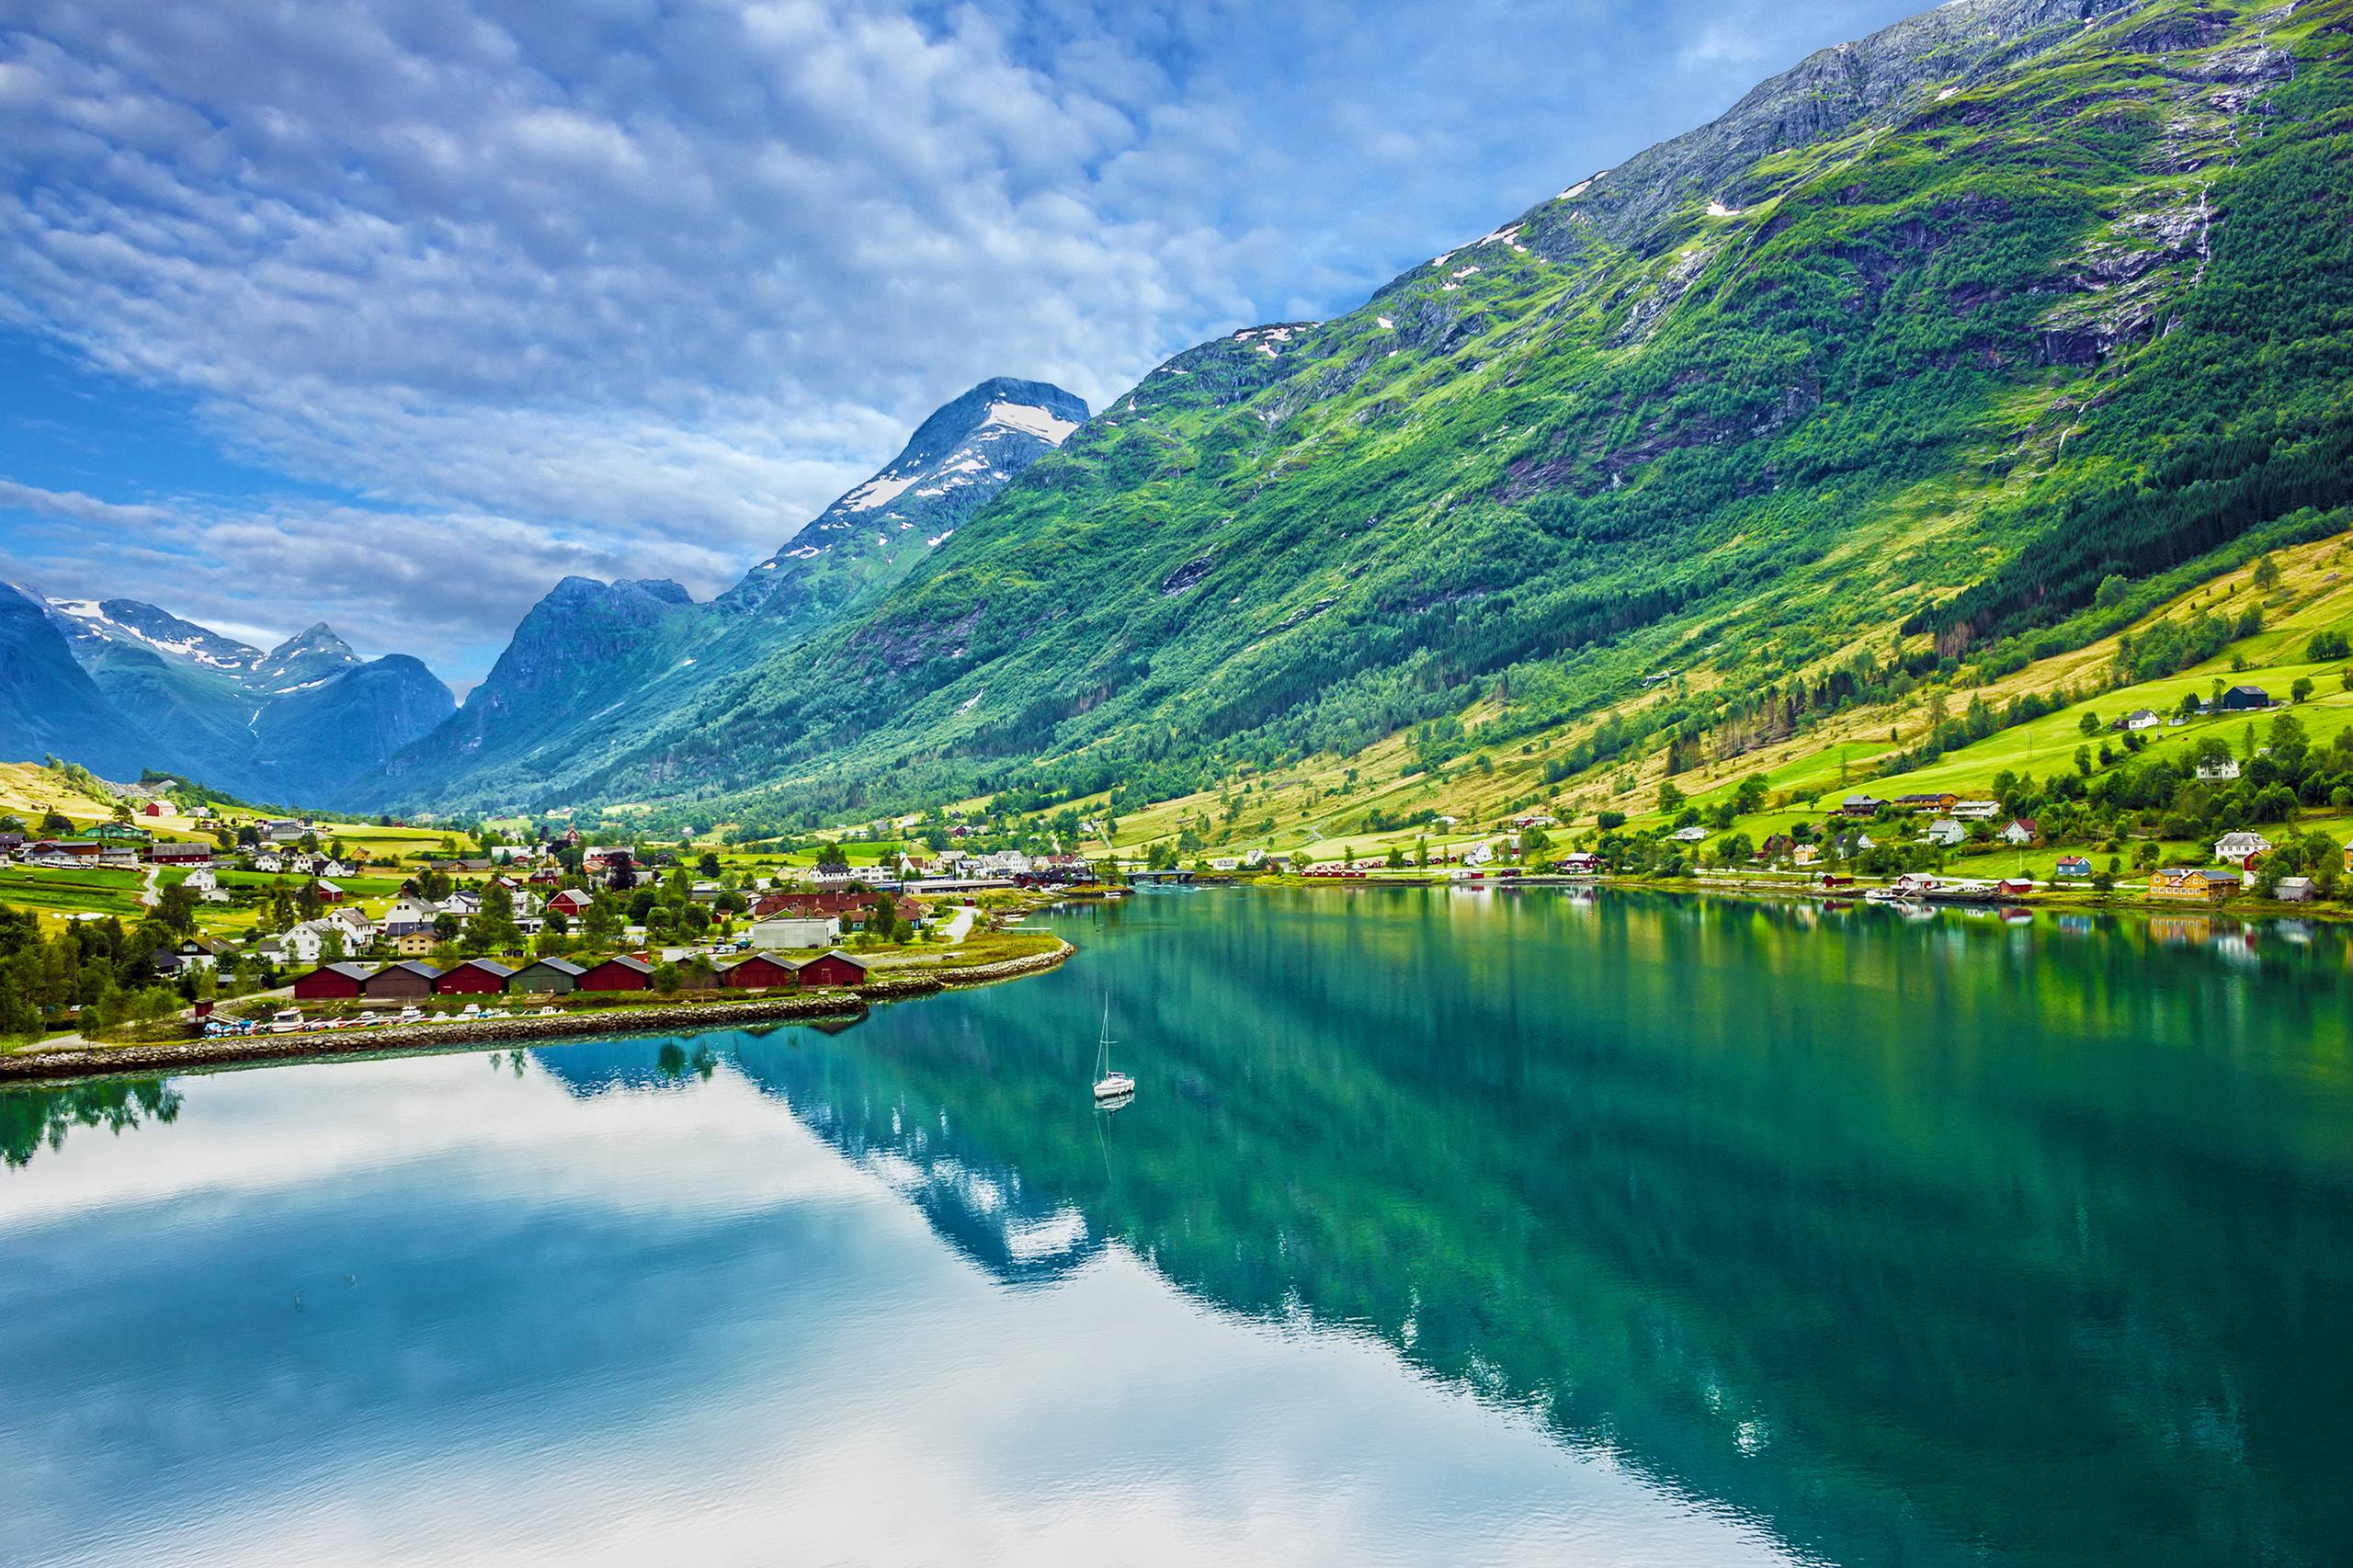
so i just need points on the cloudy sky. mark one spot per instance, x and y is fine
(391, 312)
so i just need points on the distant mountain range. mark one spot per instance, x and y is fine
(122, 686)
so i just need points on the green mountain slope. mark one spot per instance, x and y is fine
(1920, 344)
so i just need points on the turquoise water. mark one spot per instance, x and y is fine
(1447, 1227)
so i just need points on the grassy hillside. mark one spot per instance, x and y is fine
(1950, 353)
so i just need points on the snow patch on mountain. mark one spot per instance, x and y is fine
(879, 491)
(1031, 421)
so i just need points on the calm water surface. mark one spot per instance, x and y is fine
(1445, 1229)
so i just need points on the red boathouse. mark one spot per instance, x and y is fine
(475, 977)
(836, 968)
(759, 973)
(622, 973)
(331, 982)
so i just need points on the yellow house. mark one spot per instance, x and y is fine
(416, 944)
(2188, 884)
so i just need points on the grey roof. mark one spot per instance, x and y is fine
(560, 966)
(629, 961)
(414, 967)
(349, 971)
(499, 970)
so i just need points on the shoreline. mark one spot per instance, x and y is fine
(38, 1066)
(2070, 899)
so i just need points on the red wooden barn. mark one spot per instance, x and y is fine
(331, 982)
(622, 973)
(475, 977)
(836, 968)
(759, 973)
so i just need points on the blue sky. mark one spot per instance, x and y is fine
(390, 312)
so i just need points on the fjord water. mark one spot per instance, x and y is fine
(1445, 1228)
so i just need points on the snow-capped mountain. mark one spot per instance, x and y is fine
(142, 625)
(957, 459)
(122, 686)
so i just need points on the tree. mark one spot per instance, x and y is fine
(54, 823)
(175, 908)
(2300, 688)
(1670, 799)
(1609, 822)
(492, 929)
(2267, 574)
(1749, 798)
(2088, 725)
(666, 978)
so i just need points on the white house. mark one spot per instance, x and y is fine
(2239, 845)
(2020, 831)
(2225, 769)
(2142, 719)
(1947, 832)
(303, 943)
(407, 911)
(1977, 811)
(2294, 889)
(1478, 853)
(200, 879)
(796, 932)
(1691, 834)
(271, 863)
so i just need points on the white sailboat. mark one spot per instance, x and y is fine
(1109, 1084)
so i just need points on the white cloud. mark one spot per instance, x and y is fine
(74, 506)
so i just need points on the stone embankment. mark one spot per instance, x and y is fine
(455, 1034)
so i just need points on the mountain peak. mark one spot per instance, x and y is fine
(311, 655)
(88, 624)
(955, 462)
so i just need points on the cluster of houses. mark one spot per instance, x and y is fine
(408, 980)
(2236, 700)
(113, 845)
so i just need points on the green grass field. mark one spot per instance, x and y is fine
(91, 890)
